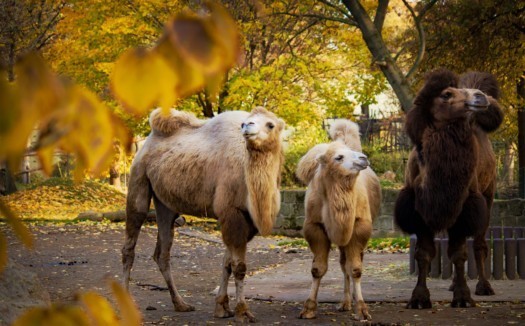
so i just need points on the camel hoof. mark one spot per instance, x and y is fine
(484, 288)
(223, 313)
(463, 303)
(420, 299)
(308, 314)
(345, 306)
(362, 312)
(462, 298)
(243, 314)
(184, 307)
(309, 310)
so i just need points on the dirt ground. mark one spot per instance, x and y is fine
(69, 258)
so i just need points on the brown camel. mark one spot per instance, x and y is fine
(451, 176)
(342, 200)
(227, 167)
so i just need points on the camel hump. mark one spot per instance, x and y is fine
(483, 81)
(346, 131)
(167, 124)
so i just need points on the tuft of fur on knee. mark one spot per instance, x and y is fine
(163, 124)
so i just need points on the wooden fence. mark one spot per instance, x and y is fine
(506, 258)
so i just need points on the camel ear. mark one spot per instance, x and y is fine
(322, 159)
(281, 124)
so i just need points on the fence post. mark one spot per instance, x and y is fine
(521, 257)
(488, 259)
(435, 264)
(498, 259)
(446, 266)
(472, 272)
(508, 232)
(496, 232)
(510, 258)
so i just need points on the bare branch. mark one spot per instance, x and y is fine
(381, 14)
(420, 32)
(320, 17)
(337, 8)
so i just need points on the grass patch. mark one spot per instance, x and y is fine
(389, 243)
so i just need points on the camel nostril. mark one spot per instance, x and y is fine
(243, 125)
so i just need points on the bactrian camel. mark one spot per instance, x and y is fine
(342, 200)
(450, 178)
(227, 167)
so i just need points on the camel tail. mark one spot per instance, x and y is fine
(167, 124)
(346, 131)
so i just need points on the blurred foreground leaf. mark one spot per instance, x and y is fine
(194, 53)
(97, 311)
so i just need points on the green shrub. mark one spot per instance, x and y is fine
(304, 137)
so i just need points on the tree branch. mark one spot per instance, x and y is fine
(381, 14)
(420, 32)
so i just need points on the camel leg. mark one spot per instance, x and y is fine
(457, 252)
(237, 230)
(425, 251)
(165, 220)
(346, 303)
(354, 267)
(222, 307)
(319, 244)
(137, 207)
(481, 252)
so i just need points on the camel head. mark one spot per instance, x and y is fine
(340, 161)
(456, 103)
(445, 99)
(262, 129)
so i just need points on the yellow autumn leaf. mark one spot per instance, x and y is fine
(142, 79)
(52, 316)
(225, 32)
(129, 313)
(98, 309)
(190, 79)
(195, 41)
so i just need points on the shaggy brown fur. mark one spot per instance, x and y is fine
(450, 177)
(342, 199)
(227, 167)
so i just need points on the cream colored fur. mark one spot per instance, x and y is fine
(337, 201)
(228, 168)
(347, 132)
(166, 124)
(207, 168)
(342, 200)
(341, 130)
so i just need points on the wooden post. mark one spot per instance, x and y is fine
(498, 259)
(510, 258)
(472, 272)
(521, 258)
(446, 265)
(435, 264)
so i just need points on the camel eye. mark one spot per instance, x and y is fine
(270, 125)
(446, 95)
(339, 158)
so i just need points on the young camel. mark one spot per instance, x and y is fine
(342, 199)
(227, 167)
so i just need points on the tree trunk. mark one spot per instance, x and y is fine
(381, 54)
(7, 180)
(521, 135)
